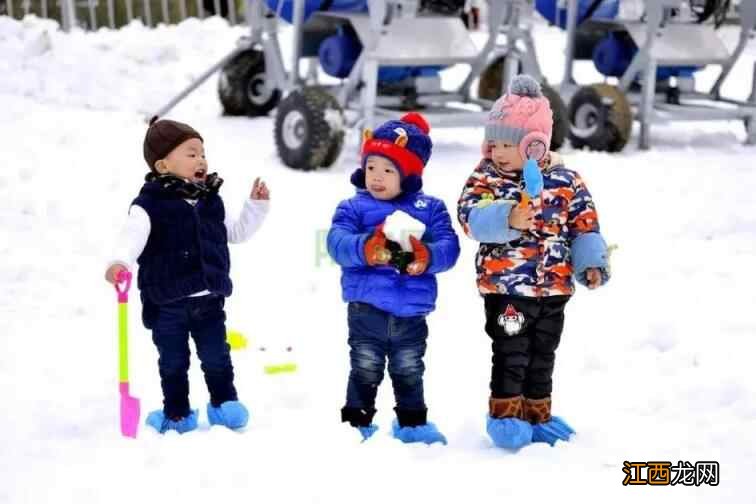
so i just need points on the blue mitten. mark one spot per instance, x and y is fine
(589, 250)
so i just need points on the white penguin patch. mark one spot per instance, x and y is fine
(511, 320)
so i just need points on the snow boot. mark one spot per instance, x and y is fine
(546, 428)
(412, 426)
(231, 414)
(505, 425)
(427, 433)
(158, 421)
(361, 419)
(367, 431)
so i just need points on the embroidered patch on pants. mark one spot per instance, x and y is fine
(511, 320)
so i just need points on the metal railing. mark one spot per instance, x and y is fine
(93, 14)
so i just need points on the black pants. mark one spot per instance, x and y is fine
(202, 317)
(525, 332)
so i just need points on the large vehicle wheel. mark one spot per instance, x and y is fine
(444, 7)
(489, 88)
(334, 151)
(242, 87)
(749, 123)
(600, 118)
(309, 129)
(559, 113)
(489, 84)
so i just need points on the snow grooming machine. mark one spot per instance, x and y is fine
(654, 60)
(383, 57)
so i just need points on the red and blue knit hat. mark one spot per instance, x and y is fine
(405, 143)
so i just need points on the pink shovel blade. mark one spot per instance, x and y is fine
(129, 412)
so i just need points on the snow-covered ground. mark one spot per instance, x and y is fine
(655, 366)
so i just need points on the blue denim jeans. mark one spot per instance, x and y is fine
(374, 336)
(202, 317)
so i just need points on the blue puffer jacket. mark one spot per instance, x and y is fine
(401, 295)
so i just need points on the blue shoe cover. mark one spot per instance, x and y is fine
(231, 414)
(367, 431)
(509, 433)
(427, 433)
(552, 431)
(157, 421)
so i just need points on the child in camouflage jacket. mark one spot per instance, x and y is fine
(531, 247)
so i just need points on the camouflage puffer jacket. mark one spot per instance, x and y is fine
(542, 260)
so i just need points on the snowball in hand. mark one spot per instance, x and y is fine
(399, 226)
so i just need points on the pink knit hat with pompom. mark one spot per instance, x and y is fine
(521, 117)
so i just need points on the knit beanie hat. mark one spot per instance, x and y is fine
(521, 117)
(163, 136)
(405, 143)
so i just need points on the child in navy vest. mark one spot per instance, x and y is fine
(178, 232)
(390, 240)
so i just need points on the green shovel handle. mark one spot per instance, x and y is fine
(124, 277)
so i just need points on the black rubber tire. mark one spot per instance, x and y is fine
(600, 118)
(746, 124)
(559, 114)
(489, 84)
(334, 151)
(305, 139)
(489, 88)
(443, 7)
(239, 86)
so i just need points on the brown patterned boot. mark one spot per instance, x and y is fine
(537, 411)
(505, 408)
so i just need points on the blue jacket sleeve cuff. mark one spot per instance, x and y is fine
(490, 224)
(361, 240)
(443, 256)
(589, 251)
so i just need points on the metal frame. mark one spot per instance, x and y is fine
(657, 37)
(264, 33)
(386, 22)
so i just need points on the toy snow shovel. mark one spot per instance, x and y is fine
(129, 405)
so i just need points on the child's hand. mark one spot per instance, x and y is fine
(593, 276)
(521, 218)
(422, 258)
(376, 252)
(112, 273)
(260, 191)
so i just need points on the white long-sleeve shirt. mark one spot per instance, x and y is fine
(135, 232)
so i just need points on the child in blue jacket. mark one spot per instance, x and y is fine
(391, 240)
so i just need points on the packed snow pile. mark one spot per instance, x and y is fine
(400, 226)
(133, 69)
